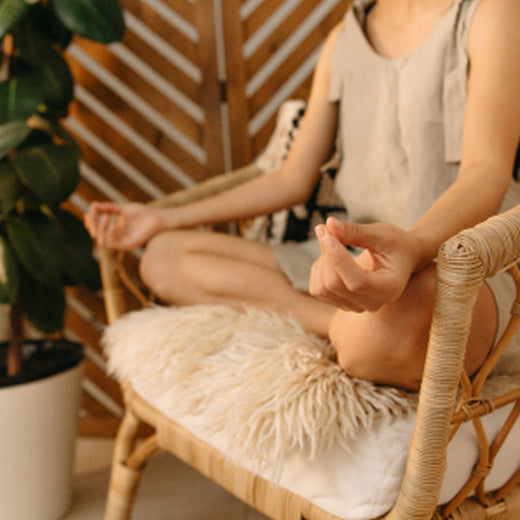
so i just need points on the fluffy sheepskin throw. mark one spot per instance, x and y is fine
(254, 376)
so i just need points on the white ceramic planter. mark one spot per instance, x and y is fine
(38, 423)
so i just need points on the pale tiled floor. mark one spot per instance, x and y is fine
(169, 489)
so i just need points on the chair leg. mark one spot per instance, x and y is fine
(127, 467)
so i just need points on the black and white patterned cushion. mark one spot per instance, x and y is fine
(295, 224)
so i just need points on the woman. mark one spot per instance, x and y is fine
(426, 97)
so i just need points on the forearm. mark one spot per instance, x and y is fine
(262, 195)
(475, 196)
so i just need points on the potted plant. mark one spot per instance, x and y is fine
(43, 247)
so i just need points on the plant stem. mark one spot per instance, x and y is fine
(14, 354)
(7, 51)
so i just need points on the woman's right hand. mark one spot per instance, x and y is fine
(123, 226)
(377, 276)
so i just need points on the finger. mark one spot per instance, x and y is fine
(89, 222)
(366, 236)
(368, 289)
(341, 278)
(104, 223)
(322, 235)
(106, 207)
(325, 285)
(353, 277)
(96, 209)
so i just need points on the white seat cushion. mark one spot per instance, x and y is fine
(357, 479)
(363, 484)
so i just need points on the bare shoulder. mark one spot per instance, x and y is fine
(332, 37)
(324, 61)
(495, 26)
(493, 108)
(336, 29)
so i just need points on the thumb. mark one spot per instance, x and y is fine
(112, 208)
(366, 236)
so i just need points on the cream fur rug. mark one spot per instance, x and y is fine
(255, 376)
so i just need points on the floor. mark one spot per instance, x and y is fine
(169, 489)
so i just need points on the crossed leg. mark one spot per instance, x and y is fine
(387, 346)
(189, 267)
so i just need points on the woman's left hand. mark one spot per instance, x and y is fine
(379, 274)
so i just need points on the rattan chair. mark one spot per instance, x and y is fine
(446, 399)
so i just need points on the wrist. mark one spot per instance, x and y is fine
(164, 219)
(424, 249)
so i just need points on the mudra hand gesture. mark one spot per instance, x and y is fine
(122, 226)
(377, 276)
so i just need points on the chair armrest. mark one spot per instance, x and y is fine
(113, 290)
(463, 263)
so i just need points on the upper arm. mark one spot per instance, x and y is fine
(492, 121)
(315, 140)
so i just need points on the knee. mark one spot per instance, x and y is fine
(149, 263)
(388, 346)
(383, 354)
(158, 261)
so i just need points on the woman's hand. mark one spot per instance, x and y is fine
(379, 274)
(122, 226)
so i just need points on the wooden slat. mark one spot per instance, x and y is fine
(309, 45)
(146, 113)
(236, 84)
(210, 92)
(145, 157)
(160, 24)
(98, 426)
(256, 20)
(283, 31)
(280, 43)
(93, 409)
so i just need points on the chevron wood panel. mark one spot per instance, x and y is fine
(280, 44)
(147, 117)
(192, 90)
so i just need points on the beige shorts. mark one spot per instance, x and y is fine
(504, 290)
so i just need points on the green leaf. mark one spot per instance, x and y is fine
(10, 12)
(38, 32)
(51, 171)
(44, 305)
(98, 20)
(38, 245)
(52, 80)
(19, 100)
(8, 273)
(31, 40)
(37, 137)
(52, 127)
(80, 265)
(11, 135)
(66, 137)
(8, 188)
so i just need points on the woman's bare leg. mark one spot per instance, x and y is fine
(389, 346)
(190, 267)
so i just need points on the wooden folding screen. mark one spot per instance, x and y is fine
(191, 91)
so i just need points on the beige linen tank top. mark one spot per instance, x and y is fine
(400, 132)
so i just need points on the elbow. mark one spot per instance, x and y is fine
(297, 190)
(491, 181)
